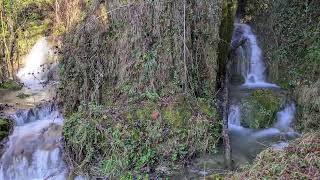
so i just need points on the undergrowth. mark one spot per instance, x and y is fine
(5, 127)
(136, 140)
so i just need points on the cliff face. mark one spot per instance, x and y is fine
(143, 47)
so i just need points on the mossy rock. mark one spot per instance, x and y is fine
(11, 85)
(5, 127)
(260, 108)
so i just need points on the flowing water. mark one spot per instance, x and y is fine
(249, 64)
(33, 150)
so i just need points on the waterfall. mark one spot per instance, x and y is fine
(248, 63)
(249, 58)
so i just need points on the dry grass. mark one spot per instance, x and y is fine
(300, 160)
(309, 101)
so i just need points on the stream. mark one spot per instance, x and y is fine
(33, 150)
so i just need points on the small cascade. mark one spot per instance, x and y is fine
(33, 150)
(234, 117)
(286, 117)
(248, 63)
(34, 73)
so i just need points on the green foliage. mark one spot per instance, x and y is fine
(23, 95)
(5, 127)
(10, 85)
(252, 7)
(133, 142)
(309, 107)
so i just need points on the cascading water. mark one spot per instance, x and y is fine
(34, 73)
(33, 150)
(250, 65)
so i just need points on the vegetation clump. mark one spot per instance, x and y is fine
(10, 85)
(259, 110)
(309, 105)
(144, 138)
(5, 128)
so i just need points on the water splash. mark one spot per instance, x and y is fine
(33, 74)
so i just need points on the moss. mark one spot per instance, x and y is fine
(260, 108)
(10, 85)
(178, 112)
(229, 9)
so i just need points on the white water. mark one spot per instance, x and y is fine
(251, 66)
(33, 74)
(254, 72)
(33, 150)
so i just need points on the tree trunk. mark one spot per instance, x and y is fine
(4, 72)
(225, 130)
